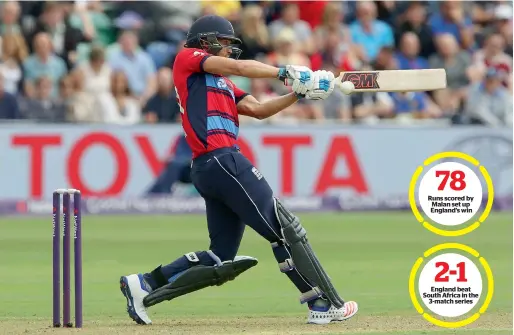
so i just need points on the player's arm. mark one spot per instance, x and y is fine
(244, 68)
(250, 106)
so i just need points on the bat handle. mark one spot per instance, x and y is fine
(339, 79)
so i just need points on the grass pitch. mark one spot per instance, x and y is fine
(368, 256)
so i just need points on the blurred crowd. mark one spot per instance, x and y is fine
(110, 61)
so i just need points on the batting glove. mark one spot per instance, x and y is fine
(321, 85)
(290, 73)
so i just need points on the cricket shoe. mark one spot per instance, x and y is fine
(321, 312)
(135, 288)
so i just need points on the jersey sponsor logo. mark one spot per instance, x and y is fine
(257, 173)
(198, 53)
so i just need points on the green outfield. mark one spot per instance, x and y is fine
(368, 256)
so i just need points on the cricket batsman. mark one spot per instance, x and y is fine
(236, 194)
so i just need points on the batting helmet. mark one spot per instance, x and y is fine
(205, 31)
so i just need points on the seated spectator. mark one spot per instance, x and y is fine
(286, 51)
(86, 105)
(413, 105)
(492, 55)
(121, 107)
(408, 56)
(415, 22)
(489, 103)
(8, 104)
(333, 39)
(43, 63)
(370, 107)
(43, 106)
(14, 52)
(312, 11)
(10, 17)
(63, 36)
(136, 65)
(385, 60)
(66, 94)
(163, 106)
(453, 20)
(290, 18)
(501, 24)
(254, 33)
(230, 10)
(97, 73)
(456, 62)
(369, 32)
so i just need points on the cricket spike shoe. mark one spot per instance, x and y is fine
(321, 312)
(135, 288)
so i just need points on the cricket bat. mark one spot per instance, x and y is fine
(395, 80)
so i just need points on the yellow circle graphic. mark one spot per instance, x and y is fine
(434, 320)
(469, 159)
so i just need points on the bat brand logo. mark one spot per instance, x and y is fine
(362, 80)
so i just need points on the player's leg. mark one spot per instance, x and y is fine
(249, 195)
(194, 270)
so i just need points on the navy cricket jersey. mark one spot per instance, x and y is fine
(207, 103)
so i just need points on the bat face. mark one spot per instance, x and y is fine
(362, 80)
(420, 80)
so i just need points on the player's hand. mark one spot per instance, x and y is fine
(289, 73)
(321, 86)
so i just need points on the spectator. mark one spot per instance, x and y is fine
(10, 16)
(413, 105)
(121, 107)
(457, 64)
(370, 107)
(163, 106)
(14, 52)
(90, 18)
(453, 20)
(254, 33)
(43, 106)
(489, 103)
(137, 66)
(290, 17)
(385, 60)
(333, 38)
(97, 73)
(228, 9)
(415, 21)
(492, 55)
(43, 63)
(63, 36)
(285, 52)
(66, 94)
(8, 104)
(408, 58)
(501, 24)
(86, 105)
(369, 32)
(312, 11)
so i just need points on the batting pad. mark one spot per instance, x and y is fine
(198, 277)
